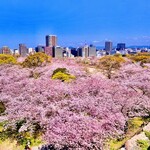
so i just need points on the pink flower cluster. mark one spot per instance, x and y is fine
(81, 114)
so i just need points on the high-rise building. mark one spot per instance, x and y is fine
(6, 50)
(92, 51)
(23, 50)
(79, 51)
(58, 52)
(83, 51)
(74, 52)
(121, 46)
(51, 40)
(108, 47)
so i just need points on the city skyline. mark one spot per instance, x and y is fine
(75, 23)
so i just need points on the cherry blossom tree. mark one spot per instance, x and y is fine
(79, 114)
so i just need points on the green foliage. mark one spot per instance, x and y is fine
(62, 74)
(147, 134)
(36, 60)
(140, 57)
(108, 64)
(135, 123)
(62, 70)
(63, 77)
(22, 138)
(133, 126)
(117, 144)
(2, 107)
(143, 144)
(7, 59)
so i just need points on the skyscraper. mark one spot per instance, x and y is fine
(58, 52)
(83, 51)
(23, 50)
(92, 51)
(121, 46)
(51, 40)
(108, 47)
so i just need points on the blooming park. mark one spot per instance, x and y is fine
(74, 103)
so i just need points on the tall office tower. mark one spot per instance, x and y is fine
(6, 50)
(92, 51)
(83, 51)
(58, 52)
(51, 40)
(108, 47)
(23, 51)
(74, 52)
(121, 46)
(79, 51)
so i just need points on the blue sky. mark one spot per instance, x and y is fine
(74, 21)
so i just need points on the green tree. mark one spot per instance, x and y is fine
(62, 74)
(36, 60)
(7, 59)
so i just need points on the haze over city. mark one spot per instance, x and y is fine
(75, 22)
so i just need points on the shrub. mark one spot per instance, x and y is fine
(36, 60)
(110, 63)
(143, 144)
(63, 77)
(62, 74)
(7, 59)
(62, 70)
(11, 131)
(147, 134)
(134, 124)
(140, 57)
(2, 107)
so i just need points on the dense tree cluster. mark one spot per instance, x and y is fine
(140, 57)
(79, 114)
(7, 59)
(35, 60)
